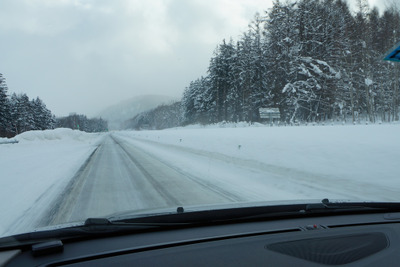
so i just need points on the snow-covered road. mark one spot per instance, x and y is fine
(121, 177)
(53, 177)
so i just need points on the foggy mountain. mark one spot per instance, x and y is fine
(127, 109)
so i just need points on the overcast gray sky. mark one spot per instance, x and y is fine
(84, 55)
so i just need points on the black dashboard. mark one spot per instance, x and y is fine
(342, 240)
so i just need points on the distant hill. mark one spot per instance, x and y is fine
(127, 109)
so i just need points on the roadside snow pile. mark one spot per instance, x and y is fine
(56, 134)
(360, 161)
(35, 170)
(7, 141)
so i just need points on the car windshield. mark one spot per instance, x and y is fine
(131, 107)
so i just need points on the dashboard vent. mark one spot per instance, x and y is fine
(334, 250)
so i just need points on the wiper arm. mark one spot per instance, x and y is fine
(92, 228)
(101, 223)
(325, 205)
(320, 209)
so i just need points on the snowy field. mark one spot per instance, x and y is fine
(35, 170)
(358, 162)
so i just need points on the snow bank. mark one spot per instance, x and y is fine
(34, 171)
(56, 134)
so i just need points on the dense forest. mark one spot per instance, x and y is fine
(314, 60)
(19, 114)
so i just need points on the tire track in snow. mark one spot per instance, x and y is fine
(67, 198)
(117, 178)
(205, 185)
(170, 199)
(309, 181)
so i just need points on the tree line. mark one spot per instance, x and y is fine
(82, 123)
(162, 117)
(315, 60)
(19, 114)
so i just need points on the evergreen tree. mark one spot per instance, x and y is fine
(312, 59)
(5, 113)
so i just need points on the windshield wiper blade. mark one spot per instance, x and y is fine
(106, 223)
(192, 218)
(100, 227)
(318, 209)
(242, 214)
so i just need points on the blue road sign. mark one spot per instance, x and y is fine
(394, 54)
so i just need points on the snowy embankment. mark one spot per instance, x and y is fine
(358, 162)
(35, 170)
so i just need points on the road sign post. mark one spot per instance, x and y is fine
(269, 113)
